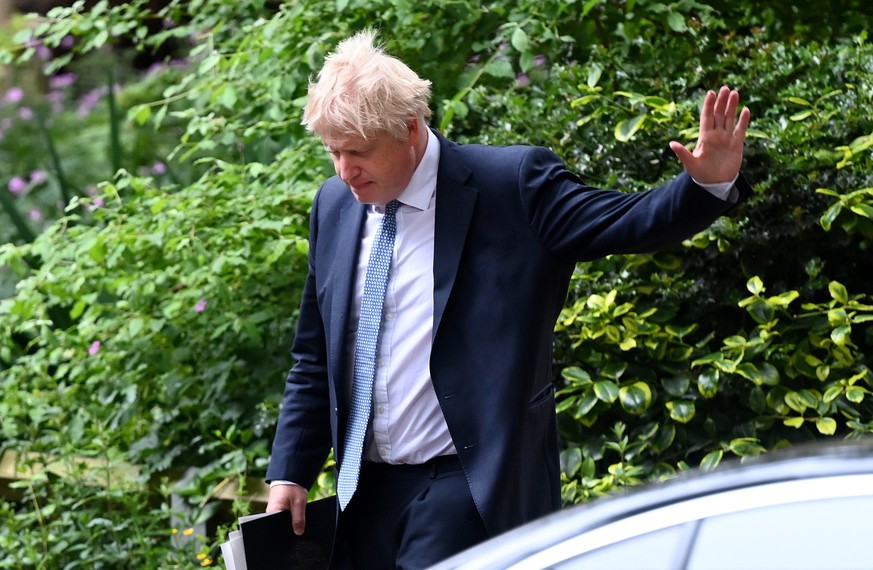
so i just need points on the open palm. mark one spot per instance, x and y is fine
(718, 155)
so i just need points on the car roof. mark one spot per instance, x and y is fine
(814, 460)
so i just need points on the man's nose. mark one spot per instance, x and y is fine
(346, 168)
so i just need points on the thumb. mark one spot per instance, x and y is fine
(684, 155)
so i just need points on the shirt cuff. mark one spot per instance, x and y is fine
(722, 190)
(278, 482)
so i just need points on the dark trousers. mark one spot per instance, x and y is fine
(409, 516)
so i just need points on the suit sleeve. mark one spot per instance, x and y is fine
(581, 223)
(302, 440)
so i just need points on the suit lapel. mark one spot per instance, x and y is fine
(455, 203)
(347, 247)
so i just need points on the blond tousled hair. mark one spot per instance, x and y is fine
(362, 90)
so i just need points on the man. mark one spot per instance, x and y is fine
(460, 441)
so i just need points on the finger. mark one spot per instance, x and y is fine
(298, 516)
(721, 104)
(684, 155)
(730, 112)
(743, 123)
(707, 120)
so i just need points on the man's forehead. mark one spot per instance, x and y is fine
(338, 141)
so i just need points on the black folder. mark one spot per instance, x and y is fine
(270, 542)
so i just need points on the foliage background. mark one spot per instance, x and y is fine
(148, 308)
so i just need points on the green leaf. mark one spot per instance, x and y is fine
(594, 72)
(757, 400)
(827, 219)
(606, 391)
(571, 461)
(576, 375)
(707, 383)
(855, 394)
(863, 210)
(826, 426)
(801, 115)
(636, 398)
(500, 68)
(520, 40)
(625, 130)
(841, 335)
(838, 292)
(676, 21)
(586, 404)
(681, 411)
(796, 402)
(799, 101)
(794, 422)
(755, 285)
(664, 438)
(743, 446)
(140, 114)
(676, 385)
(711, 460)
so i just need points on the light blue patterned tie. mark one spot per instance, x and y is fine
(369, 328)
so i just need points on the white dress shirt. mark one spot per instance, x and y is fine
(407, 423)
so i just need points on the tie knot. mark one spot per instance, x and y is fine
(391, 207)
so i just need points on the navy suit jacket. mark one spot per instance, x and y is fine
(511, 223)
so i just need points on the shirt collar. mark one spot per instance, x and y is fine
(420, 191)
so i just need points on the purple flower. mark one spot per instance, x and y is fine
(159, 168)
(38, 177)
(95, 203)
(67, 42)
(35, 214)
(62, 80)
(26, 113)
(539, 60)
(95, 348)
(14, 95)
(43, 53)
(200, 306)
(90, 100)
(523, 79)
(17, 185)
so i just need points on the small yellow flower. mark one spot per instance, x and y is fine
(188, 531)
(175, 531)
(201, 556)
(207, 562)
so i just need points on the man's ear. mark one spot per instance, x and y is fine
(413, 129)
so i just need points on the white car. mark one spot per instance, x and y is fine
(805, 508)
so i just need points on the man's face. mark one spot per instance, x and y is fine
(376, 169)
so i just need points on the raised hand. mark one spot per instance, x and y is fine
(718, 155)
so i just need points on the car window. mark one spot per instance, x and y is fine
(812, 535)
(659, 550)
(808, 535)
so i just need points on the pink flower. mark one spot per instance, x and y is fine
(95, 348)
(37, 177)
(14, 95)
(95, 203)
(35, 214)
(159, 168)
(200, 306)
(62, 80)
(17, 185)
(26, 113)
